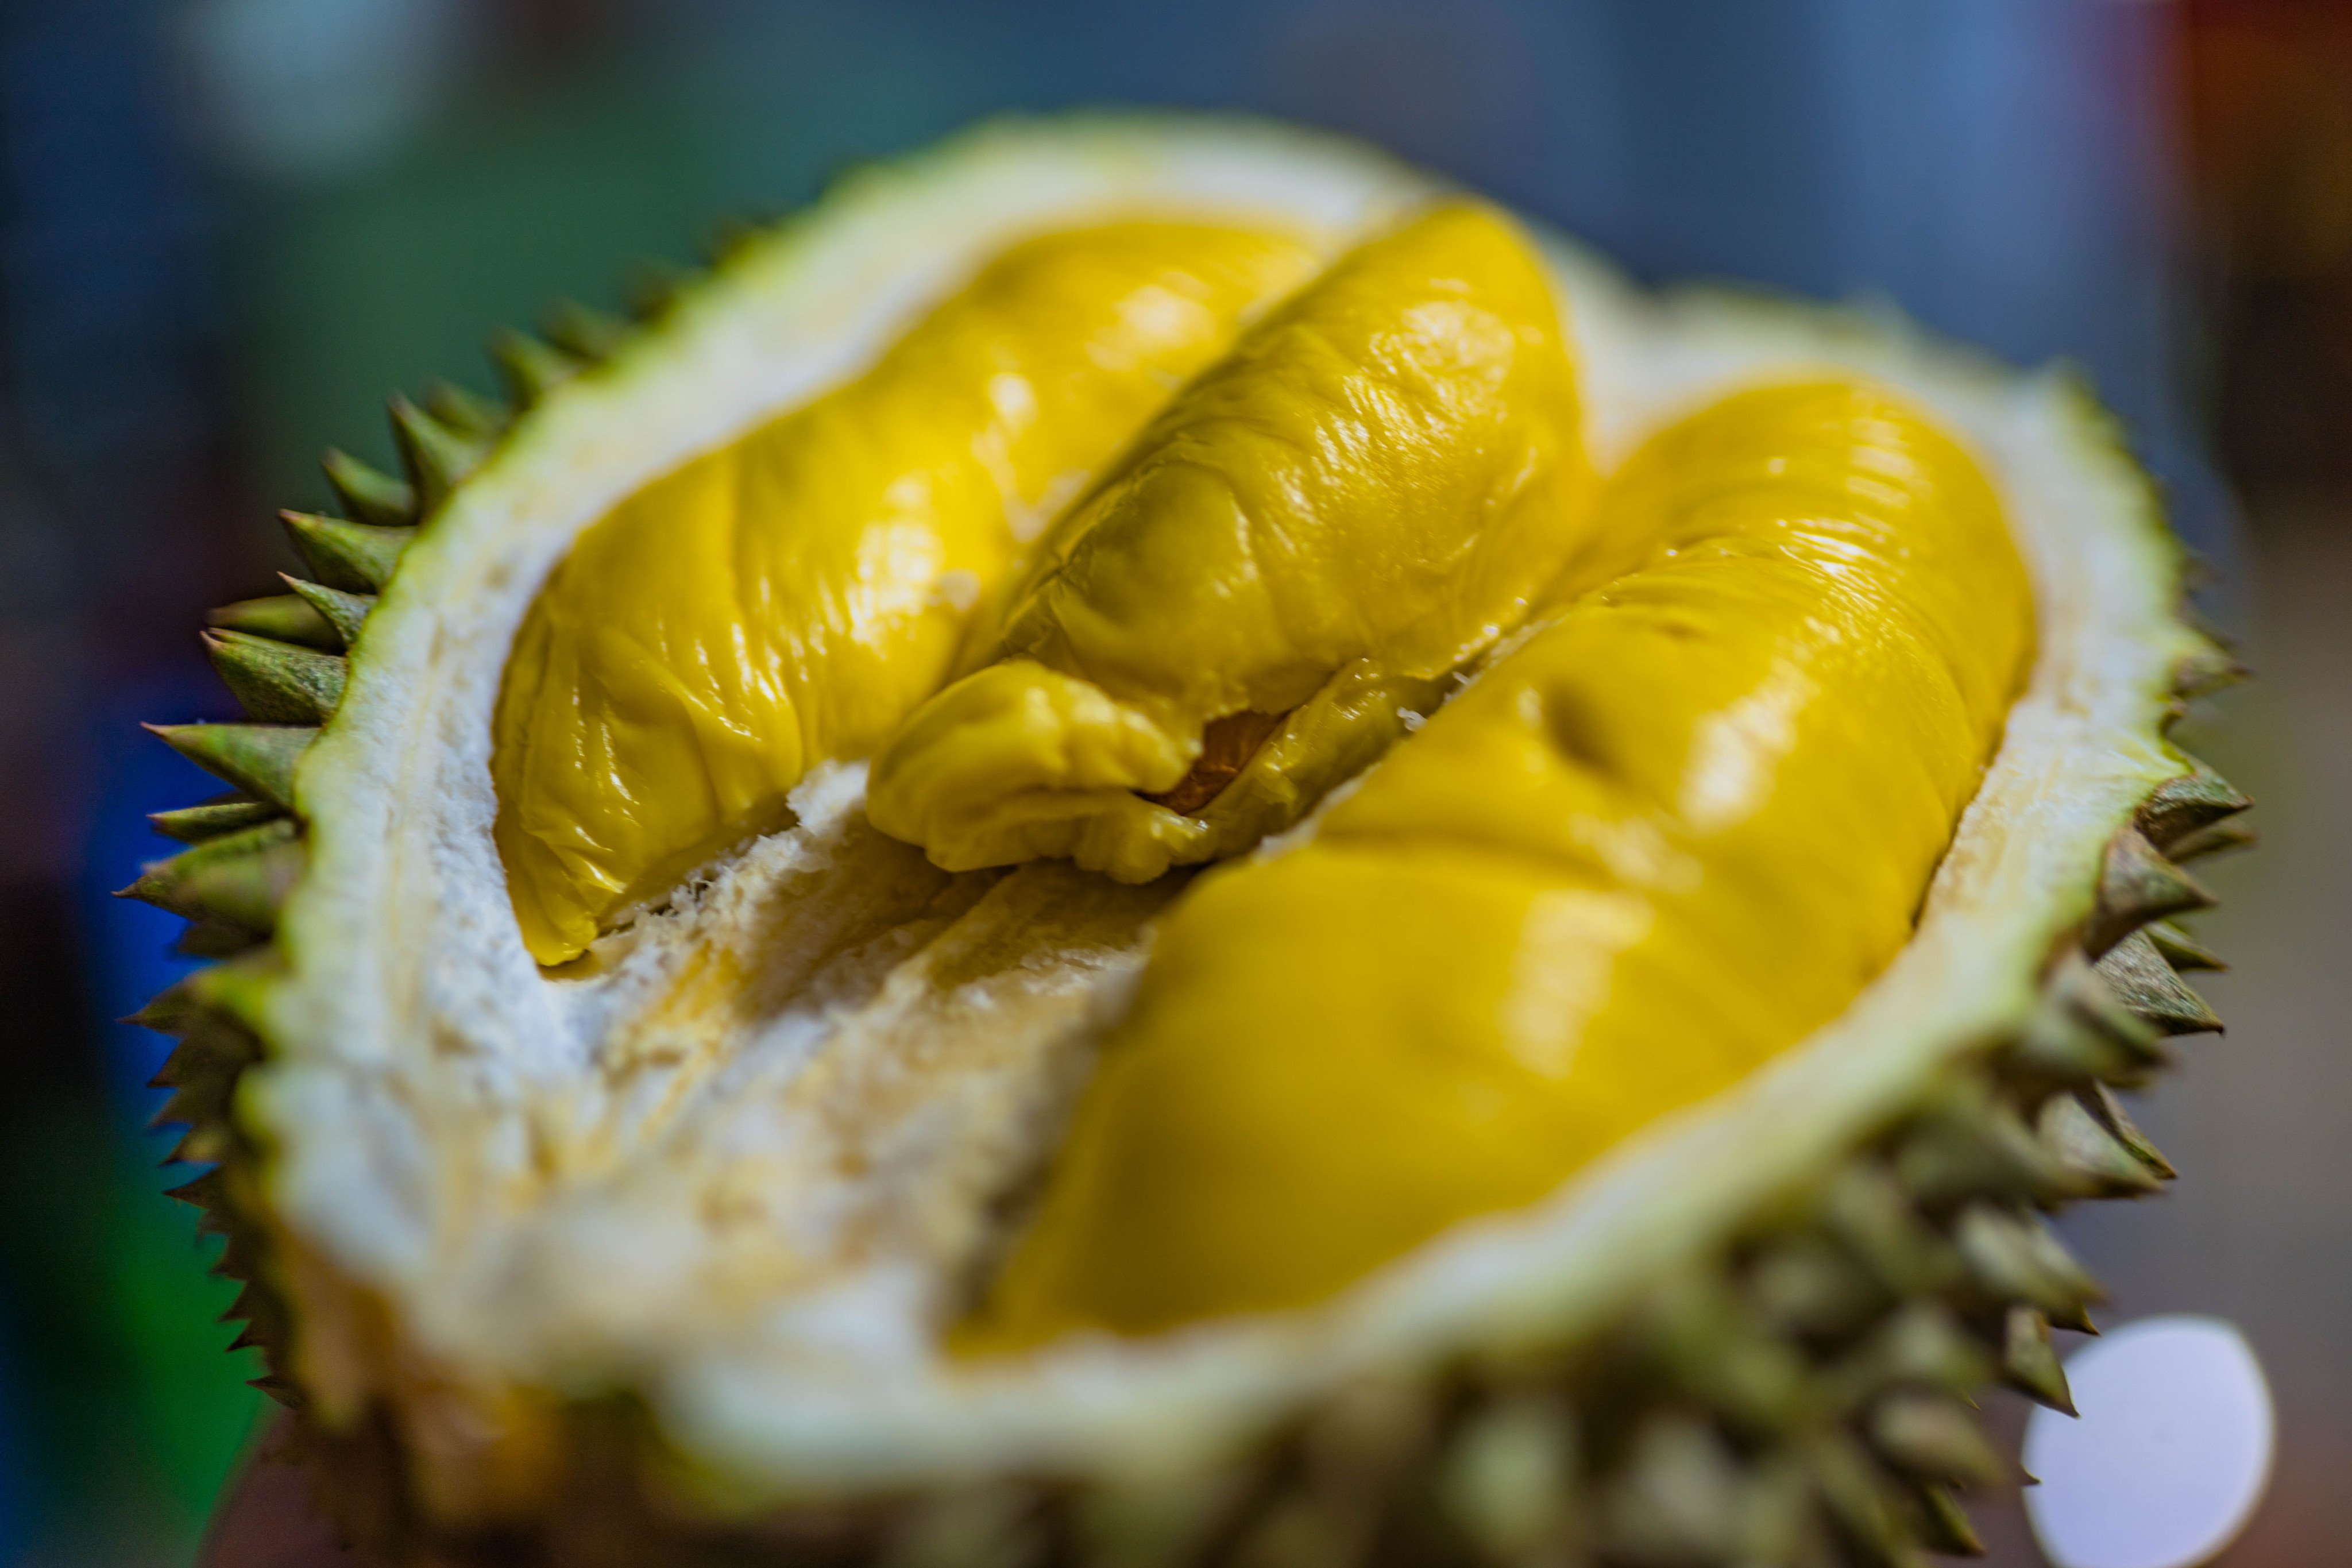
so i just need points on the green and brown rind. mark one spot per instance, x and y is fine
(1794, 1389)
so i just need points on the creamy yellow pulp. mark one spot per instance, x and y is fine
(789, 596)
(1366, 492)
(1667, 835)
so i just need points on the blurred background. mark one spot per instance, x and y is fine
(229, 227)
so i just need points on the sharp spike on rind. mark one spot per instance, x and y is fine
(2101, 1103)
(2079, 1141)
(1805, 1286)
(369, 494)
(2013, 1259)
(1508, 1480)
(1923, 1346)
(1933, 1438)
(346, 613)
(1944, 1525)
(2222, 838)
(732, 235)
(1678, 1500)
(256, 758)
(356, 557)
(2209, 670)
(1971, 1144)
(468, 413)
(436, 457)
(275, 682)
(2198, 798)
(2180, 950)
(1708, 1343)
(1867, 1213)
(530, 367)
(655, 287)
(281, 617)
(2136, 885)
(2135, 971)
(1860, 1498)
(2028, 1361)
(280, 1389)
(240, 878)
(195, 824)
(588, 334)
(216, 939)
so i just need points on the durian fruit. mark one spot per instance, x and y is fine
(702, 1241)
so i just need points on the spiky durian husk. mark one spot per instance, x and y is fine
(1800, 1394)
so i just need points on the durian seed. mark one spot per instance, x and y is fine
(2180, 950)
(240, 878)
(357, 557)
(1804, 1286)
(436, 457)
(2103, 1104)
(344, 612)
(2136, 885)
(531, 367)
(275, 682)
(281, 617)
(2209, 670)
(1923, 1346)
(2222, 838)
(469, 414)
(1868, 1215)
(223, 813)
(586, 334)
(2016, 1258)
(1971, 1144)
(2198, 798)
(1944, 1525)
(1933, 1438)
(2078, 1140)
(1676, 1500)
(1509, 1478)
(2135, 971)
(2029, 1362)
(256, 758)
(368, 493)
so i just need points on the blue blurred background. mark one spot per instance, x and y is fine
(229, 227)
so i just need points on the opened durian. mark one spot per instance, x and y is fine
(1152, 845)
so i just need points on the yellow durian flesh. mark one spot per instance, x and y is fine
(1366, 492)
(785, 598)
(1674, 832)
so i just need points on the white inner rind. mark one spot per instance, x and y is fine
(744, 1167)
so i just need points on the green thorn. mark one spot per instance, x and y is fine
(224, 814)
(655, 288)
(1966, 1143)
(2078, 1140)
(357, 557)
(438, 457)
(2180, 950)
(2136, 885)
(256, 758)
(468, 414)
(1944, 1525)
(1923, 1346)
(2014, 1258)
(369, 494)
(1868, 1215)
(530, 367)
(1860, 1498)
(344, 612)
(584, 334)
(2206, 671)
(211, 938)
(275, 682)
(1933, 1438)
(2029, 1362)
(1702, 1335)
(1678, 1498)
(2198, 798)
(2101, 1104)
(2135, 971)
(1802, 1285)
(1509, 1477)
(280, 1389)
(281, 617)
(732, 235)
(240, 878)
(2222, 838)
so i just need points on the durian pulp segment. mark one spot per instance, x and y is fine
(1671, 835)
(785, 598)
(1369, 490)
